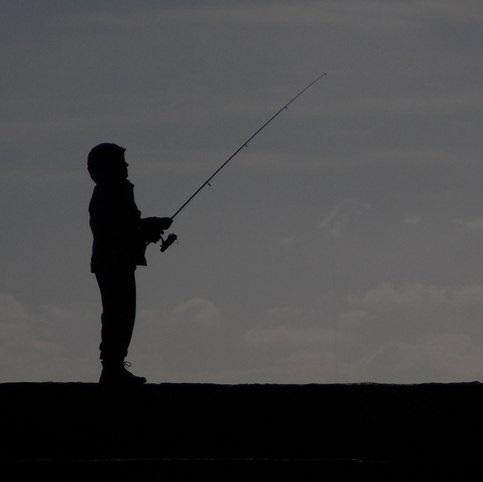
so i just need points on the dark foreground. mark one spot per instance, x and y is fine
(73, 431)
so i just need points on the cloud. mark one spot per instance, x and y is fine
(417, 293)
(412, 220)
(289, 240)
(289, 335)
(11, 310)
(286, 353)
(342, 215)
(405, 294)
(441, 358)
(476, 224)
(392, 332)
(195, 311)
(46, 344)
(469, 293)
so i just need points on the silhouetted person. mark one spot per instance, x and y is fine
(120, 240)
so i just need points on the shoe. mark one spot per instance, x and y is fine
(118, 375)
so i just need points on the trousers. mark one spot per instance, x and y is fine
(118, 294)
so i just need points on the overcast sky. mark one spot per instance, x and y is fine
(344, 245)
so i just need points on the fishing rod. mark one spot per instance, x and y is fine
(166, 243)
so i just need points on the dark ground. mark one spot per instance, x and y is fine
(73, 431)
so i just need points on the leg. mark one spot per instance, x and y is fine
(118, 293)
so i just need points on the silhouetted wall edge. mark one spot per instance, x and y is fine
(372, 424)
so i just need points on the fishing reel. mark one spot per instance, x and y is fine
(166, 243)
